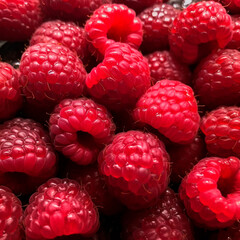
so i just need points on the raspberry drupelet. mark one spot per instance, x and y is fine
(79, 129)
(120, 79)
(156, 21)
(113, 23)
(235, 42)
(198, 29)
(171, 108)
(136, 168)
(19, 19)
(60, 207)
(27, 158)
(11, 215)
(210, 192)
(166, 220)
(233, 6)
(10, 93)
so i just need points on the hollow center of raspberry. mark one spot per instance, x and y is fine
(117, 33)
(85, 138)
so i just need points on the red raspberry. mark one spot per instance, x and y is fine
(233, 6)
(11, 215)
(66, 33)
(60, 208)
(156, 22)
(216, 79)
(164, 65)
(230, 233)
(184, 157)
(27, 158)
(50, 73)
(71, 10)
(94, 183)
(198, 29)
(211, 192)
(19, 19)
(120, 79)
(235, 42)
(170, 107)
(136, 168)
(222, 133)
(79, 128)
(114, 23)
(10, 94)
(166, 221)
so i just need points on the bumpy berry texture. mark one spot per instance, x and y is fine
(66, 33)
(170, 107)
(136, 168)
(93, 182)
(156, 22)
(184, 157)
(222, 133)
(79, 128)
(19, 19)
(10, 94)
(233, 6)
(166, 221)
(60, 207)
(210, 192)
(49, 73)
(164, 65)
(235, 42)
(120, 79)
(27, 158)
(216, 79)
(11, 215)
(198, 29)
(113, 23)
(71, 10)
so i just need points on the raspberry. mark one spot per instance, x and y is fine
(71, 10)
(50, 73)
(10, 95)
(222, 133)
(235, 42)
(233, 6)
(66, 33)
(230, 233)
(164, 65)
(27, 158)
(170, 107)
(166, 221)
(94, 183)
(108, 24)
(211, 192)
(79, 128)
(60, 208)
(136, 168)
(184, 157)
(19, 19)
(156, 22)
(198, 29)
(120, 79)
(11, 215)
(216, 79)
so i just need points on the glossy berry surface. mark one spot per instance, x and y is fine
(235, 42)
(136, 167)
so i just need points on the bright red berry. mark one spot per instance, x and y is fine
(164, 65)
(67, 34)
(19, 19)
(198, 29)
(60, 207)
(216, 79)
(210, 192)
(114, 23)
(11, 215)
(156, 21)
(170, 107)
(49, 73)
(166, 220)
(79, 129)
(233, 6)
(27, 158)
(235, 42)
(10, 94)
(136, 168)
(120, 79)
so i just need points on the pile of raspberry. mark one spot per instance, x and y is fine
(119, 120)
